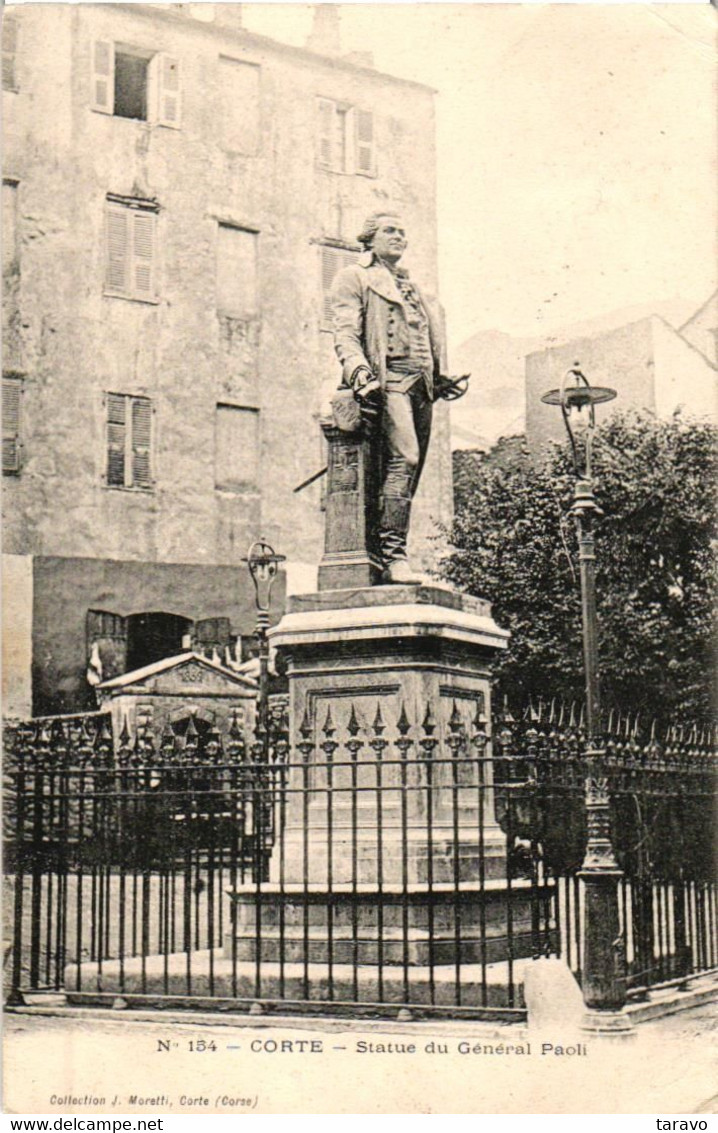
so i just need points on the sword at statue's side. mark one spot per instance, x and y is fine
(447, 389)
(316, 476)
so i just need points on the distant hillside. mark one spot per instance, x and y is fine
(494, 405)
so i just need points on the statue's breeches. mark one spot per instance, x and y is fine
(406, 428)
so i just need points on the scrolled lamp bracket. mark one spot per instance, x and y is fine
(576, 400)
(263, 564)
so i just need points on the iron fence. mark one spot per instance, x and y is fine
(662, 795)
(373, 864)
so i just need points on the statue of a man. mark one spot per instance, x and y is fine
(389, 345)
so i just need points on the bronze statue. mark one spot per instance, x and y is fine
(389, 345)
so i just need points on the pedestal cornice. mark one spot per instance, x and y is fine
(388, 612)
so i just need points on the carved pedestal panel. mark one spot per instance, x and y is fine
(350, 558)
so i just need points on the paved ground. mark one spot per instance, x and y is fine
(123, 1063)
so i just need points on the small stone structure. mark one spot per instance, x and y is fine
(171, 691)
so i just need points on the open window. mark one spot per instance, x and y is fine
(345, 138)
(154, 635)
(134, 82)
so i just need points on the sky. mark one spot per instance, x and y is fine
(576, 150)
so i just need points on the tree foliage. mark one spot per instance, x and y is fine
(514, 543)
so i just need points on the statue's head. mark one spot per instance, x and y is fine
(385, 234)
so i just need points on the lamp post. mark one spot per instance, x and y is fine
(263, 563)
(603, 984)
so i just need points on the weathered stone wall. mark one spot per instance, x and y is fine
(650, 365)
(622, 359)
(17, 585)
(64, 589)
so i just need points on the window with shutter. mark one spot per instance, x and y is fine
(168, 83)
(106, 635)
(131, 240)
(141, 427)
(129, 441)
(333, 259)
(133, 82)
(9, 52)
(345, 138)
(364, 143)
(143, 232)
(117, 249)
(11, 397)
(103, 76)
(116, 439)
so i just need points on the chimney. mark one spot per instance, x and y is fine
(228, 15)
(324, 36)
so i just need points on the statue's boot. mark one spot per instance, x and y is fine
(399, 571)
(393, 529)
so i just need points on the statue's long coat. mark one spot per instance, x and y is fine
(363, 296)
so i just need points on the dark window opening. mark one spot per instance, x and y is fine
(153, 636)
(202, 727)
(130, 86)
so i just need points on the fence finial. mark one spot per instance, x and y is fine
(305, 728)
(378, 726)
(353, 727)
(328, 729)
(428, 723)
(125, 736)
(402, 723)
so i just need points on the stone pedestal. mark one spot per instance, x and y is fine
(350, 556)
(388, 851)
(359, 659)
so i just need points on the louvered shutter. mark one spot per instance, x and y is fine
(364, 142)
(141, 436)
(212, 631)
(108, 633)
(9, 52)
(325, 128)
(103, 76)
(117, 248)
(116, 439)
(143, 249)
(11, 394)
(333, 260)
(168, 83)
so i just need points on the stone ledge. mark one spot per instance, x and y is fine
(424, 594)
(328, 625)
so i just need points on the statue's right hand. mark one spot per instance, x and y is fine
(364, 383)
(369, 399)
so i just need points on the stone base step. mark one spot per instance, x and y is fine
(392, 949)
(211, 976)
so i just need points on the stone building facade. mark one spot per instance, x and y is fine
(177, 195)
(651, 365)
